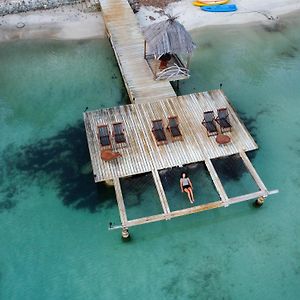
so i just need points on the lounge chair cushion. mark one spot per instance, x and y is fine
(224, 123)
(120, 138)
(159, 135)
(157, 125)
(175, 131)
(103, 131)
(104, 136)
(104, 140)
(119, 133)
(209, 116)
(210, 126)
(173, 122)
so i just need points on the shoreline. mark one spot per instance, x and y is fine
(193, 17)
(269, 24)
(62, 23)
(71, 23)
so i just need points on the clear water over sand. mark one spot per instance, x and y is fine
(53, 218)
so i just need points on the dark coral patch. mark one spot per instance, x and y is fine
(59, 159)
(7, 205)
(275, 27)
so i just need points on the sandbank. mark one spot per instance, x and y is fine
(192, 17)
(67, 22)
(71, 22)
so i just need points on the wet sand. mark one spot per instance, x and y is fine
(70, 22)
(60, 23)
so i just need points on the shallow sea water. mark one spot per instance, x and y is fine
(54, 242)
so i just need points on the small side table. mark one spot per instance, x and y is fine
(222, 139)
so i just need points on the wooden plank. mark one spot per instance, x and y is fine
(161, 192)
(217, 182)
(247, 197)
(252, 196)
(252, 171)
(196, 209)
(120, 201)
(147, 220)
(174, 214)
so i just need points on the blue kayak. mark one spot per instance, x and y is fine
(220, 8)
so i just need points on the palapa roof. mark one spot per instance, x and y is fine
(168, 36)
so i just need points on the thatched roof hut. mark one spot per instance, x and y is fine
(168, 36)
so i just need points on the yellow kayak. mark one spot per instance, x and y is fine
(209, 3)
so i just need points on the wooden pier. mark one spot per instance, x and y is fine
(128, 44)
(155, 100)
(143, 155)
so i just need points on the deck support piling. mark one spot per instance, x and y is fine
(120, 201)
(253, 172)
(161, 192)
(125, 234)
(217, 182)
(259, 201)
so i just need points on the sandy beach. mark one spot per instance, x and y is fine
(70, 22)
(193, 17)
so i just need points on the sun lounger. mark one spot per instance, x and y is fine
(104, 136)
(209, 123)
(159, 132)
(118, 133)
(223, 120)
(173, 128)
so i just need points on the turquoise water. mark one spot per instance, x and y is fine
(53, 234)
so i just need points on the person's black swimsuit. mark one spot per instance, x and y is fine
(186, 186)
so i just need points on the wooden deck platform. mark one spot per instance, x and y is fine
(128, 43)
(143, 155)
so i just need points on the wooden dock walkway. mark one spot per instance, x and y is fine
(127, 41)
(153, 100)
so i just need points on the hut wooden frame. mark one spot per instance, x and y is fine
(180, 69)
(168, 37)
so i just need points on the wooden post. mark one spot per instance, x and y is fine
(161, 192)
(120, 201)
(259, 202)
(125, 234)
(217, 182)
(122, 210)
(253, 172)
